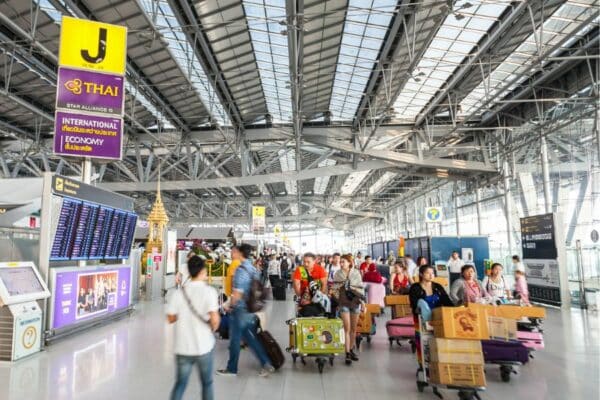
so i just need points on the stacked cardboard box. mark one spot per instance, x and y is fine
(400, 305)
(455, 354)
(365, 319)
(502, 328)
(511, 311)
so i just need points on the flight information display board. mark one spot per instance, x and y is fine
(89, 223)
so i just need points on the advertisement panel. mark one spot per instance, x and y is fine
(258, 219)
(89, 92)
(87, 135)
(80, 295)
(93, 45)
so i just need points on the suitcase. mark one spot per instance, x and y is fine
(499, 351)
(400, 328)
(316, 336)
(531, 340)
(279, 289)
(223, 329)
(271, 347)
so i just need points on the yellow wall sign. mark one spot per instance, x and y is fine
(93, 45)
(258, 211)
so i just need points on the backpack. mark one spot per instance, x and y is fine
(257, 296)
(284, 264)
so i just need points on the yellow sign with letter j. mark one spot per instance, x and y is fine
(93, 45)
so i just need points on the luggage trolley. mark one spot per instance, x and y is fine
(464, 392)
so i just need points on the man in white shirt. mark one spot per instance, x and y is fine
(194, 309)
(455, 265)
(274, 270)
(411, 265)
(333, 268)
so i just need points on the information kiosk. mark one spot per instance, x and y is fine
(21, 286)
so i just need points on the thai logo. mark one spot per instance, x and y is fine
(467, 320)
(77, 86)
(74, 86)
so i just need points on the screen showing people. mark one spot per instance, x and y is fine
(97, 292)
(20, 281)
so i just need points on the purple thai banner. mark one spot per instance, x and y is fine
(86, 294)
(87, 135)
(85, 91)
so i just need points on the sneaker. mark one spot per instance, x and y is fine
(353, 355)
(266, 371)
(348, 359)
(225, 372)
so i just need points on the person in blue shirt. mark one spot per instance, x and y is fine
(242, 323)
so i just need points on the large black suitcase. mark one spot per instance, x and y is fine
(271, 347)
(279, 288)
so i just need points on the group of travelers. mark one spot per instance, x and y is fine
(323, 285)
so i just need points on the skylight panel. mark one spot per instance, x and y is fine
(565, 21)
(287, 161)
(321, 182)
(352, 182)
(271, 50)
(364, 30)
(447, 50)
(381, 182)
(176, 41)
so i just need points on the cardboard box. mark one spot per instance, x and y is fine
(455, 351)
(502, 328)
(401, 310)
(374, 309)
(460, 323)
(397, 299)
(511, 311)
(470, 375)
(441, 280)
(364, 323)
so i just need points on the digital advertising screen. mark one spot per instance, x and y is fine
(80, 295)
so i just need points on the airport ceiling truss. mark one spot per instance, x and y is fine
(328, 112)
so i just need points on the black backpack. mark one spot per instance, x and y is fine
(257, 296)
(284, 264)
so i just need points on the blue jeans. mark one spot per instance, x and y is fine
(205, 371)
(243, 325)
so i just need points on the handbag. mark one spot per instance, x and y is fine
(193, 309)
(348, 297)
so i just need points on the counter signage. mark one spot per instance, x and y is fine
(87, 135)
(83, 295)
(63, 186)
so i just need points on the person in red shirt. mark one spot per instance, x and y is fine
(300, 281)
(364, 267)
(372, 275)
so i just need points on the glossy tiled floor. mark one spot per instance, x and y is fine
(131, 359)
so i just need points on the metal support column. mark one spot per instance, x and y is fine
(478, 209)
(86, 177)
(415, 216)
(508, 207)
(546, 175)
(456, 209)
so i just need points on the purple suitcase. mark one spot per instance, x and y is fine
(498, 351)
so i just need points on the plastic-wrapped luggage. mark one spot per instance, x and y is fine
(531, 340)
(322, 338)
(500, 351)
(401, 329)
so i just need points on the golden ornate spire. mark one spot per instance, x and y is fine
(158, 218)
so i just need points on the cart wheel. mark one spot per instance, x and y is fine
(421, 386)
(358, 341)
(413, 346)
(331, 361)
(465, 395)
(320, 364)
(505, 373)
(392, 342)
(303, 360)
(294, 358)
(398, 342)
(369, 339)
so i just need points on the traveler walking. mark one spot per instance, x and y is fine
(243, 323)
(194, 309)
